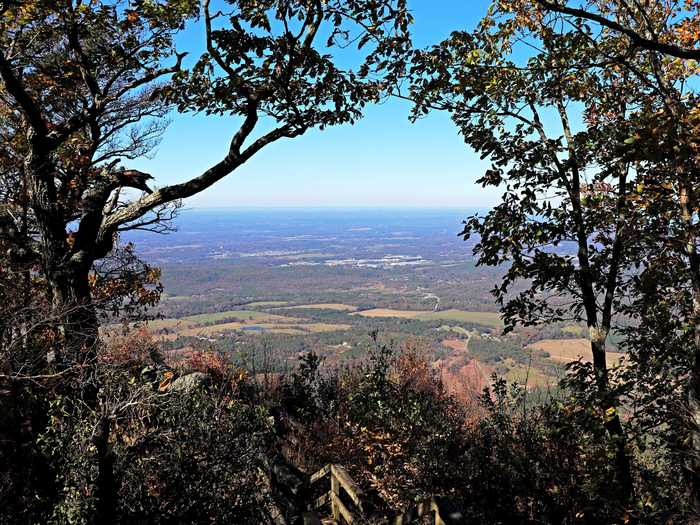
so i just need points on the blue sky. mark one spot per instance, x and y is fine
(383, 160)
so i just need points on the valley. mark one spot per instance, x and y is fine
(264, 287)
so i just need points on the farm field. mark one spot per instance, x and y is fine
(338, 331)
(491, 319)
(463, 373)
(249, 315)
(246, 320)
(568, 350)
(337, 307)
(529, 376)
(266, 304)
(275, 328)
(388, 312)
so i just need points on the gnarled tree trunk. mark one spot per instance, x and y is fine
(74, 315)
(72, 311)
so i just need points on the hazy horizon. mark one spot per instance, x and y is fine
(331, 207)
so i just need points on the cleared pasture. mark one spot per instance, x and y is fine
(243, 315)
(294, 328)
(484, 318)
(568, 350)
(455, 329)
(266, 304)
(574, 330)
(529, 376)
(337, 307)
(168, 324)
(491, 319)
(324, 327)
(388, 312)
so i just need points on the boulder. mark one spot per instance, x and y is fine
(190, 382)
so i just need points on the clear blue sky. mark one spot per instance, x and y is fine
(383, 160)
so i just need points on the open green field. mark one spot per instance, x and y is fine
(485, 318)
(244, 315)
(528, 376)
(337, 307)
(455, 329)
(491, 319)
(169, 324)
(210, 324)
(575, 331)
(389, 312)
(275, 328)
(266, 304)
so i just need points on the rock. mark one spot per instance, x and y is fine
(189, 382)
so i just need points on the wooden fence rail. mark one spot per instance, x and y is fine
(340, 479)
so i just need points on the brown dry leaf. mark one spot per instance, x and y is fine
(167, 380)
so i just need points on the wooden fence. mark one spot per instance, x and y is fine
(341, 481)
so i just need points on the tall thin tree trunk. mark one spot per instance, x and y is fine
(688, 204)
(609, 406)
(694, 416)
(598, 332)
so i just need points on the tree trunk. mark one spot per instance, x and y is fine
(71, 308)
(105, 482)
(688, 203)
(598, 333)
(694, 417)
(74, 315)
(609, 405)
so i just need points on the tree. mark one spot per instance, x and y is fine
(77, 86)
(657, 42)
(665, 343)
(565, 228)
(678, 36)
(85, 88)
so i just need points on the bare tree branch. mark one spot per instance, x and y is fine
(635, 37)
(227, 165)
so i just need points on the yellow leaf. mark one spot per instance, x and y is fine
(610, 413)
